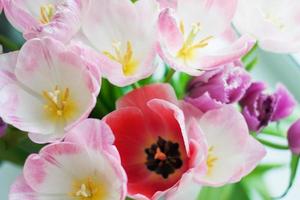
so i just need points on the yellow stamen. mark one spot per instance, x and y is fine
(128, 62)
(59, 104)
(46, 13)
(187, 52)
(211, 160)
(88, 189)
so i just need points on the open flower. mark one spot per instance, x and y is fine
(196, 35)
(59, 19)
(275, 24)
(85, 166)
(225, 85)
(45, 89)
(124, 37)
(151, 136)
(232, 151)
(260, 108)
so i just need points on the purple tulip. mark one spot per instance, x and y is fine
(294, 137)
(224, 85)
(259, 108)
(3, 127)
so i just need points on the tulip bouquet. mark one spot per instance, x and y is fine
(146, 100)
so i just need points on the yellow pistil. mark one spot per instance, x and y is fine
(210, 162)
(88, 189)
(46, 13)
(187, 52)
(127, 60)
(59, 105)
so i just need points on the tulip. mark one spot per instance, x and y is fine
(196, 35)
(274, 24)
(213, 89)
(123, 36)
(85, 166)
(259, 108)
(152, 138)
(294, 137)
(45, 89)
(58, 19)
(232, 152)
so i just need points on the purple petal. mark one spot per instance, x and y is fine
(286, 103)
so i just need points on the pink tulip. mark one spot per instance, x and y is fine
(196, 35)
(85, 166)
(275, 24)
(123, 37)
(60, 19)
(45, 89)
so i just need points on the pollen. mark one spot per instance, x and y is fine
(211, 160)
(58, 104)
(46, 13)
(88, 189)
(126, 59)
(189, 47)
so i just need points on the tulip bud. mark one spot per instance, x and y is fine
(294, 137)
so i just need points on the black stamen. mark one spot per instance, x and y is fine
(170, 160)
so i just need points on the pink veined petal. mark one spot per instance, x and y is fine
(47, 169)
(207, 12)
(7, 68)
(230, 139)
(21, 190)
(128, 27)
(186, 188)
(64, 24)
(170, 34)
(95, 134)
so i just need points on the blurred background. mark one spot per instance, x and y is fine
(267, 181)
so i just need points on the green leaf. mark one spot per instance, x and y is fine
(252, 64)
(293, 171)
(228, 192)
(247, 57)
(272, 145)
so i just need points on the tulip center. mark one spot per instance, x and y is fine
(126, 59)
(188, 50)
(163, 157)
(46, 13)
(211, 160)
(88, 189)
(59, 105)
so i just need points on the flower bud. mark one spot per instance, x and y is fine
(294, 137)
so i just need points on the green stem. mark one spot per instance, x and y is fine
(135, 85)
(293, 167)
(273, 145)
(169, 76)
